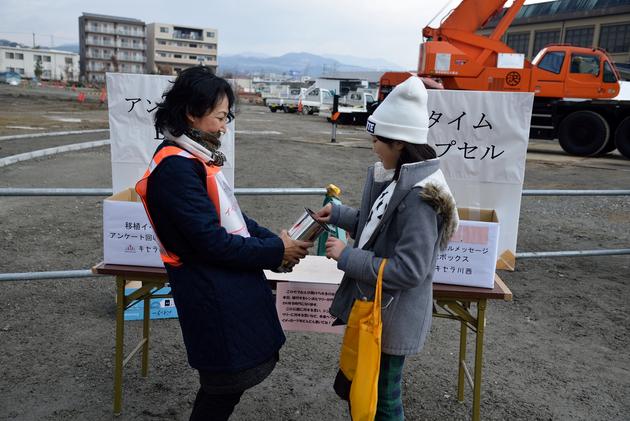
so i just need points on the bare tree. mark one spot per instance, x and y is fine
(114, 62)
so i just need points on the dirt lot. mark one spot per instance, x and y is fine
(559, 351)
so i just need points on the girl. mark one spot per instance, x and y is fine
(407, 214)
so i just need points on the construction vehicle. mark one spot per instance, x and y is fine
(574, 87)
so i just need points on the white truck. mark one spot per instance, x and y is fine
(354, 108)
(283, 102)
(311, 99)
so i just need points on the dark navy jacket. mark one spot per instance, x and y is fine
(226, 309)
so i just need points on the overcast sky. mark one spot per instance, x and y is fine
(363, 28)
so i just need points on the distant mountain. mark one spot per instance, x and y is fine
(72, 48)
(248, 54)
(7, 43)
(302, 64)
(370, 63)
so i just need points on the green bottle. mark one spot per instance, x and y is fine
(332, 196)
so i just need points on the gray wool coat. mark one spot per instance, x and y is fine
(419, 219)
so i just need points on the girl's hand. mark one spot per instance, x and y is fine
(334, 247)
(323, 215)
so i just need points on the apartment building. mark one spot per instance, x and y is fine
(54, 65)
(173, 48)
(111, 44)
(593, 23)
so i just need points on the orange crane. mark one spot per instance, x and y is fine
(573, 86)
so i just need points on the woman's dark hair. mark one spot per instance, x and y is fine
(410, 153)
(196, 91)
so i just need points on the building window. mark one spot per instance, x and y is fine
(210, 34)
(162, 42)
(543, 38)
(47, 59)
(192, 45)
(552, 62)
(21, 71)
(9, 55)
(164, 29)
(68, 60)
(192, 57)
(519, 42)
(19, 56)
(177, 56)
(580, 37)
(584, 64)
(615, 38)
(162, 54)
(37, 58)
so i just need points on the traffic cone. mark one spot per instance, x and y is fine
(300, 106)
(332, 196)
(81, 97)
(103, 97)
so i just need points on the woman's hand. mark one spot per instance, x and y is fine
(334, 247)
(323, 215)
(294, 250)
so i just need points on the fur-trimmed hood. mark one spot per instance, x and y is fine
(436, 192)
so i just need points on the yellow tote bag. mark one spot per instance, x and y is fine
(361, 353)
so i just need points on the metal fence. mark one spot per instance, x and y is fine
(70, 274)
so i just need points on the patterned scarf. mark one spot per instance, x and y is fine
(210, 141)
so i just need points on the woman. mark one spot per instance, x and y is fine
(213, 253)
(407, 214)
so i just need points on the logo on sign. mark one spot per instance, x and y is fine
(370, 127)
(130, 249)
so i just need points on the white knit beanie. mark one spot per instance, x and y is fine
(403, 115)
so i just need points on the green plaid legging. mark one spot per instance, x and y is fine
(390, 407)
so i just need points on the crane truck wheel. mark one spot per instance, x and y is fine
(584, 133)
(273, 110)
(622, 137)
(610, 146)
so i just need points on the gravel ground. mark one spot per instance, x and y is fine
(558, 351)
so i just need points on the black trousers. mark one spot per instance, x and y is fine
(214, 407)
(220, 392)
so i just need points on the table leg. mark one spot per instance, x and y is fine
(145, 336)
(120, 344)
(461, 378)
(481, 324)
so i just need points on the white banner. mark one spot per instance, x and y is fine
(132, 101)
(481, 139)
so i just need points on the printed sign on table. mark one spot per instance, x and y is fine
(470, 257)
(304, 306)
(128, 237)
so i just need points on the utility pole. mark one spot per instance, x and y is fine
(33, 39)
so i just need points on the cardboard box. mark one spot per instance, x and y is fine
(470, 258)
(161, 308)
(128, 237)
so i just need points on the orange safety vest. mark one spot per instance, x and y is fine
(216, 193)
